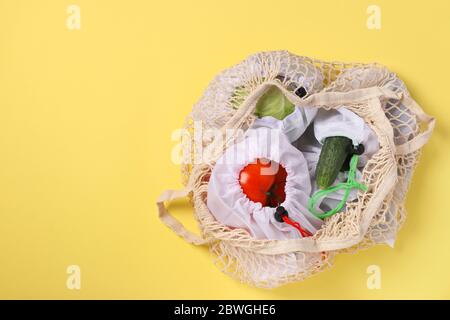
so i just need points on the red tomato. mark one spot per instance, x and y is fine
(278, 194)
(264, 182)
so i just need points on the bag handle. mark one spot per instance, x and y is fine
(325, 98)
(418, 141)
(170, 221)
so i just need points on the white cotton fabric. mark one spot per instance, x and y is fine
(339, 122)
(293, 125)
(233, 208)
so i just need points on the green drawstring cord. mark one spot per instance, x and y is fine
(348, 186)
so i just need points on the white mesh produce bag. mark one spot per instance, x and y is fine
(293, 126)
(233, 208)
(330, 123)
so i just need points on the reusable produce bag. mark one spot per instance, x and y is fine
(233, 208)
(336, 122)
(343, 122)
(293, 126)
(370, 91)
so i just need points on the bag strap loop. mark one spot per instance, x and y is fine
(422, 138)
(346, 186)
(340, 98)
(170, 221)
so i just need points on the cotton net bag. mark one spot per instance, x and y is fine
(370, 91)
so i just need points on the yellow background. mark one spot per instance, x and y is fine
(86, 118)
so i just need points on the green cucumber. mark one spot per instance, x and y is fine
(335, 151)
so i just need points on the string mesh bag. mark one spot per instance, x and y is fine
(227, 108)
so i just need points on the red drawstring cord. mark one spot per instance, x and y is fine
(281, 215)
(303, 232)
